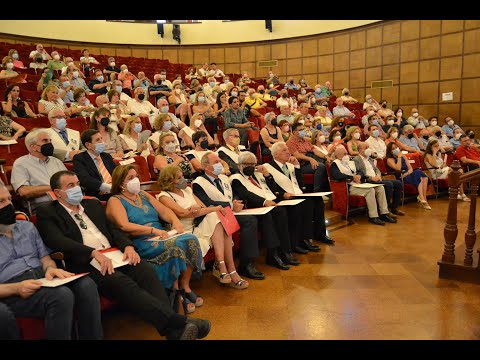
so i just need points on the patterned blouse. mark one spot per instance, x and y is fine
(184, 166)
(5, 127)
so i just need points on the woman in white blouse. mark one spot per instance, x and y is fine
(135, 138)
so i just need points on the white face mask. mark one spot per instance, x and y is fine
(457, 135)
(371, 112)
(369, 101)
(170, 147)
(70, 63)
(356, 136)
(415, 114)
(321, 139)
(56, 57)
(337, 138)
(217, 168)
(399, 114)
(394, 135)
(345, 159)
(75, 74)
(368, 152)
(433, 123)
(9, 66)
(198, 123)
(133, 186)
(450, 122)
(112, 63)
(390, 122)
(178, 91)
(125, 71)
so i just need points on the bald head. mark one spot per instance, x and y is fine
(340, 152)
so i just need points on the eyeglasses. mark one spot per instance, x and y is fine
(83, 224)
(249, 164)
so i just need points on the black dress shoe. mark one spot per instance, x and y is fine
(289, 259)
(273, 259)
(386, 218)
(327, 240)
(376, 221)
(398, 212)
(307, 244)
(203, 326)
(189, 332)
(300, 250)
(250, 272)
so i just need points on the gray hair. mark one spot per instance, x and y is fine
(32, 137)
(205, 160)
(408, 127)
(228, 132)
(51, 112)
(276, 147)
(244, 156)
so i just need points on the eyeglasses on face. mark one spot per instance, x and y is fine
(83, 224)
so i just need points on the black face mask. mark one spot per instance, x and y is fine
(204, 144)
(141, 96)
(438, 133)
(410, 136)
(39, 59)
(159, 82)
(249, 170)
(471, 135)
(284, 96)
(426, 137)
(47, 149)
(346, 94)
(274, 122)
(340, 123)
(291, 81)
(384, 105)
(7, 215)
(105, 121)
(261, 91)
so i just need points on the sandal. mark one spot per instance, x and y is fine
(188, 306)
(465, 198)
(193, 298)
(223, 278)
(240, 284)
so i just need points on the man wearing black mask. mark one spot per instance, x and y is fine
(31, 173)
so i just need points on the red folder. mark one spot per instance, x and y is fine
(229, 222)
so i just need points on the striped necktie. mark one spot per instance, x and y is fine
(107, 179)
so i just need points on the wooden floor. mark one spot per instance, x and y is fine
(375, 283)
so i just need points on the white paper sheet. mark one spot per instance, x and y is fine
(366, 185)
(8, 142)
(325, 193)
(58, 282)
(255, 211)
(116, 256)
(290, 202)
(171, 234)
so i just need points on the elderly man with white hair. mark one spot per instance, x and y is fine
(31, 173)
(342, 169)
(66, 142)
(288, 178)
(255, 186)
(141, 106)
(232, 149)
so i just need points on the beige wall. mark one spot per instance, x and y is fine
(208, 32)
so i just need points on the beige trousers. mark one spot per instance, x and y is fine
(372, 196)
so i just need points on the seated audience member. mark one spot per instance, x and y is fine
(202, 106)
(319, 142)
(100, 121)
(455, 139)
(141, 107)
(163, 125)
(322, 118)
(374, 119)
(9, 129)
(215, 71)
(383, 111)
(181, 102)
(284, 100)
(86, 61)
(370, 101)
(303, 109)
(309, 158)
(473, 141)
(55, 63)
(467, 153)
(347, 98)
(81, 105)
(204, 221)
(200, 140)
(10, 75)
(37, 62)
(251, 185)
(77, 81)
(270, 133)
(203, 72)
(177, 124)
(97, 84)
(450, 127)
(342, 110)
(94, 167)
(31, 173)
(369, 171)
(272, 78)
(50, 100)
(162, 87)
(80, 229)
(352, 137)
(40, 50)
(14, 106)
(142, 81)
(140, 216)
(433, 121)
(66, 89)
(264, 95)
(392, 137)
(438, 169)
(323, 92)
(118, 110)
(166, 154)
(111, 68)
(232, 149)
(343, 169)
(443, 140)
(235, 118)
(126, 77)
(285, 129)
(66, 142)
(409, 138)
(398, 162)
(135, 138)
(124, 97)
(285, 114)
(370, 113)
(414, 118)
(196, 124)
(24, 259)
(335, 139)
(290, 85)
(288, 179)
(375, 142)
(213, 189)
(423, 138)
(221, 104)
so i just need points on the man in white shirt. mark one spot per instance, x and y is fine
(342, 110)
(141, 107)
(214, 71)
(375, 142)
(66, 142)
(42, 51)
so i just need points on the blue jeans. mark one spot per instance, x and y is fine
(56, 305)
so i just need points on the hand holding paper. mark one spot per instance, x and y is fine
(131, 255)
(59, 273)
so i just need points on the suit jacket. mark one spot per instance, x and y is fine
(87, 172)
(202, 195)
(250, 199)
(232, 165)
(360, 166)
(279, 190)
(61, 233)
(336, 174)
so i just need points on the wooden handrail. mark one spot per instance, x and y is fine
(450, 232)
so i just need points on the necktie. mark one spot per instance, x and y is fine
(236, 150)
(219, 185)
(107, 179)
(64, 136)
(285, 170)
(252, 180)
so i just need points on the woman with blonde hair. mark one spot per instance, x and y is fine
(180, 101)
(352, 137)
(134, 138)
(140, 216)
(319, 142)
(166, 155)
(161, 126)
(50, 100)
(206, 224)
(118, 110)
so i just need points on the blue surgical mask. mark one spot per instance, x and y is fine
(119, 89)
(375, 133)
(137, 128)
(212, 83)
(319, 126)
(164, 109)
(61, 124)
(99, 148)
(301, 133)
(318, 91)
(167, 125)
(375, 122)
(226, 81)
(217, 168)
(100, 78)
(74, 195)
(396, 151)
(66, 84)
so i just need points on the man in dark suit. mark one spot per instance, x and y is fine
(94, 167)
(252, 185)
(213, 189)
(79, 228)
(286, 172)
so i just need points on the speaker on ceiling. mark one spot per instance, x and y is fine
(160, 30)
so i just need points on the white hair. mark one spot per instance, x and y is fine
(32, 137)
(244, 156)
(228, 132)
(276, 147)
